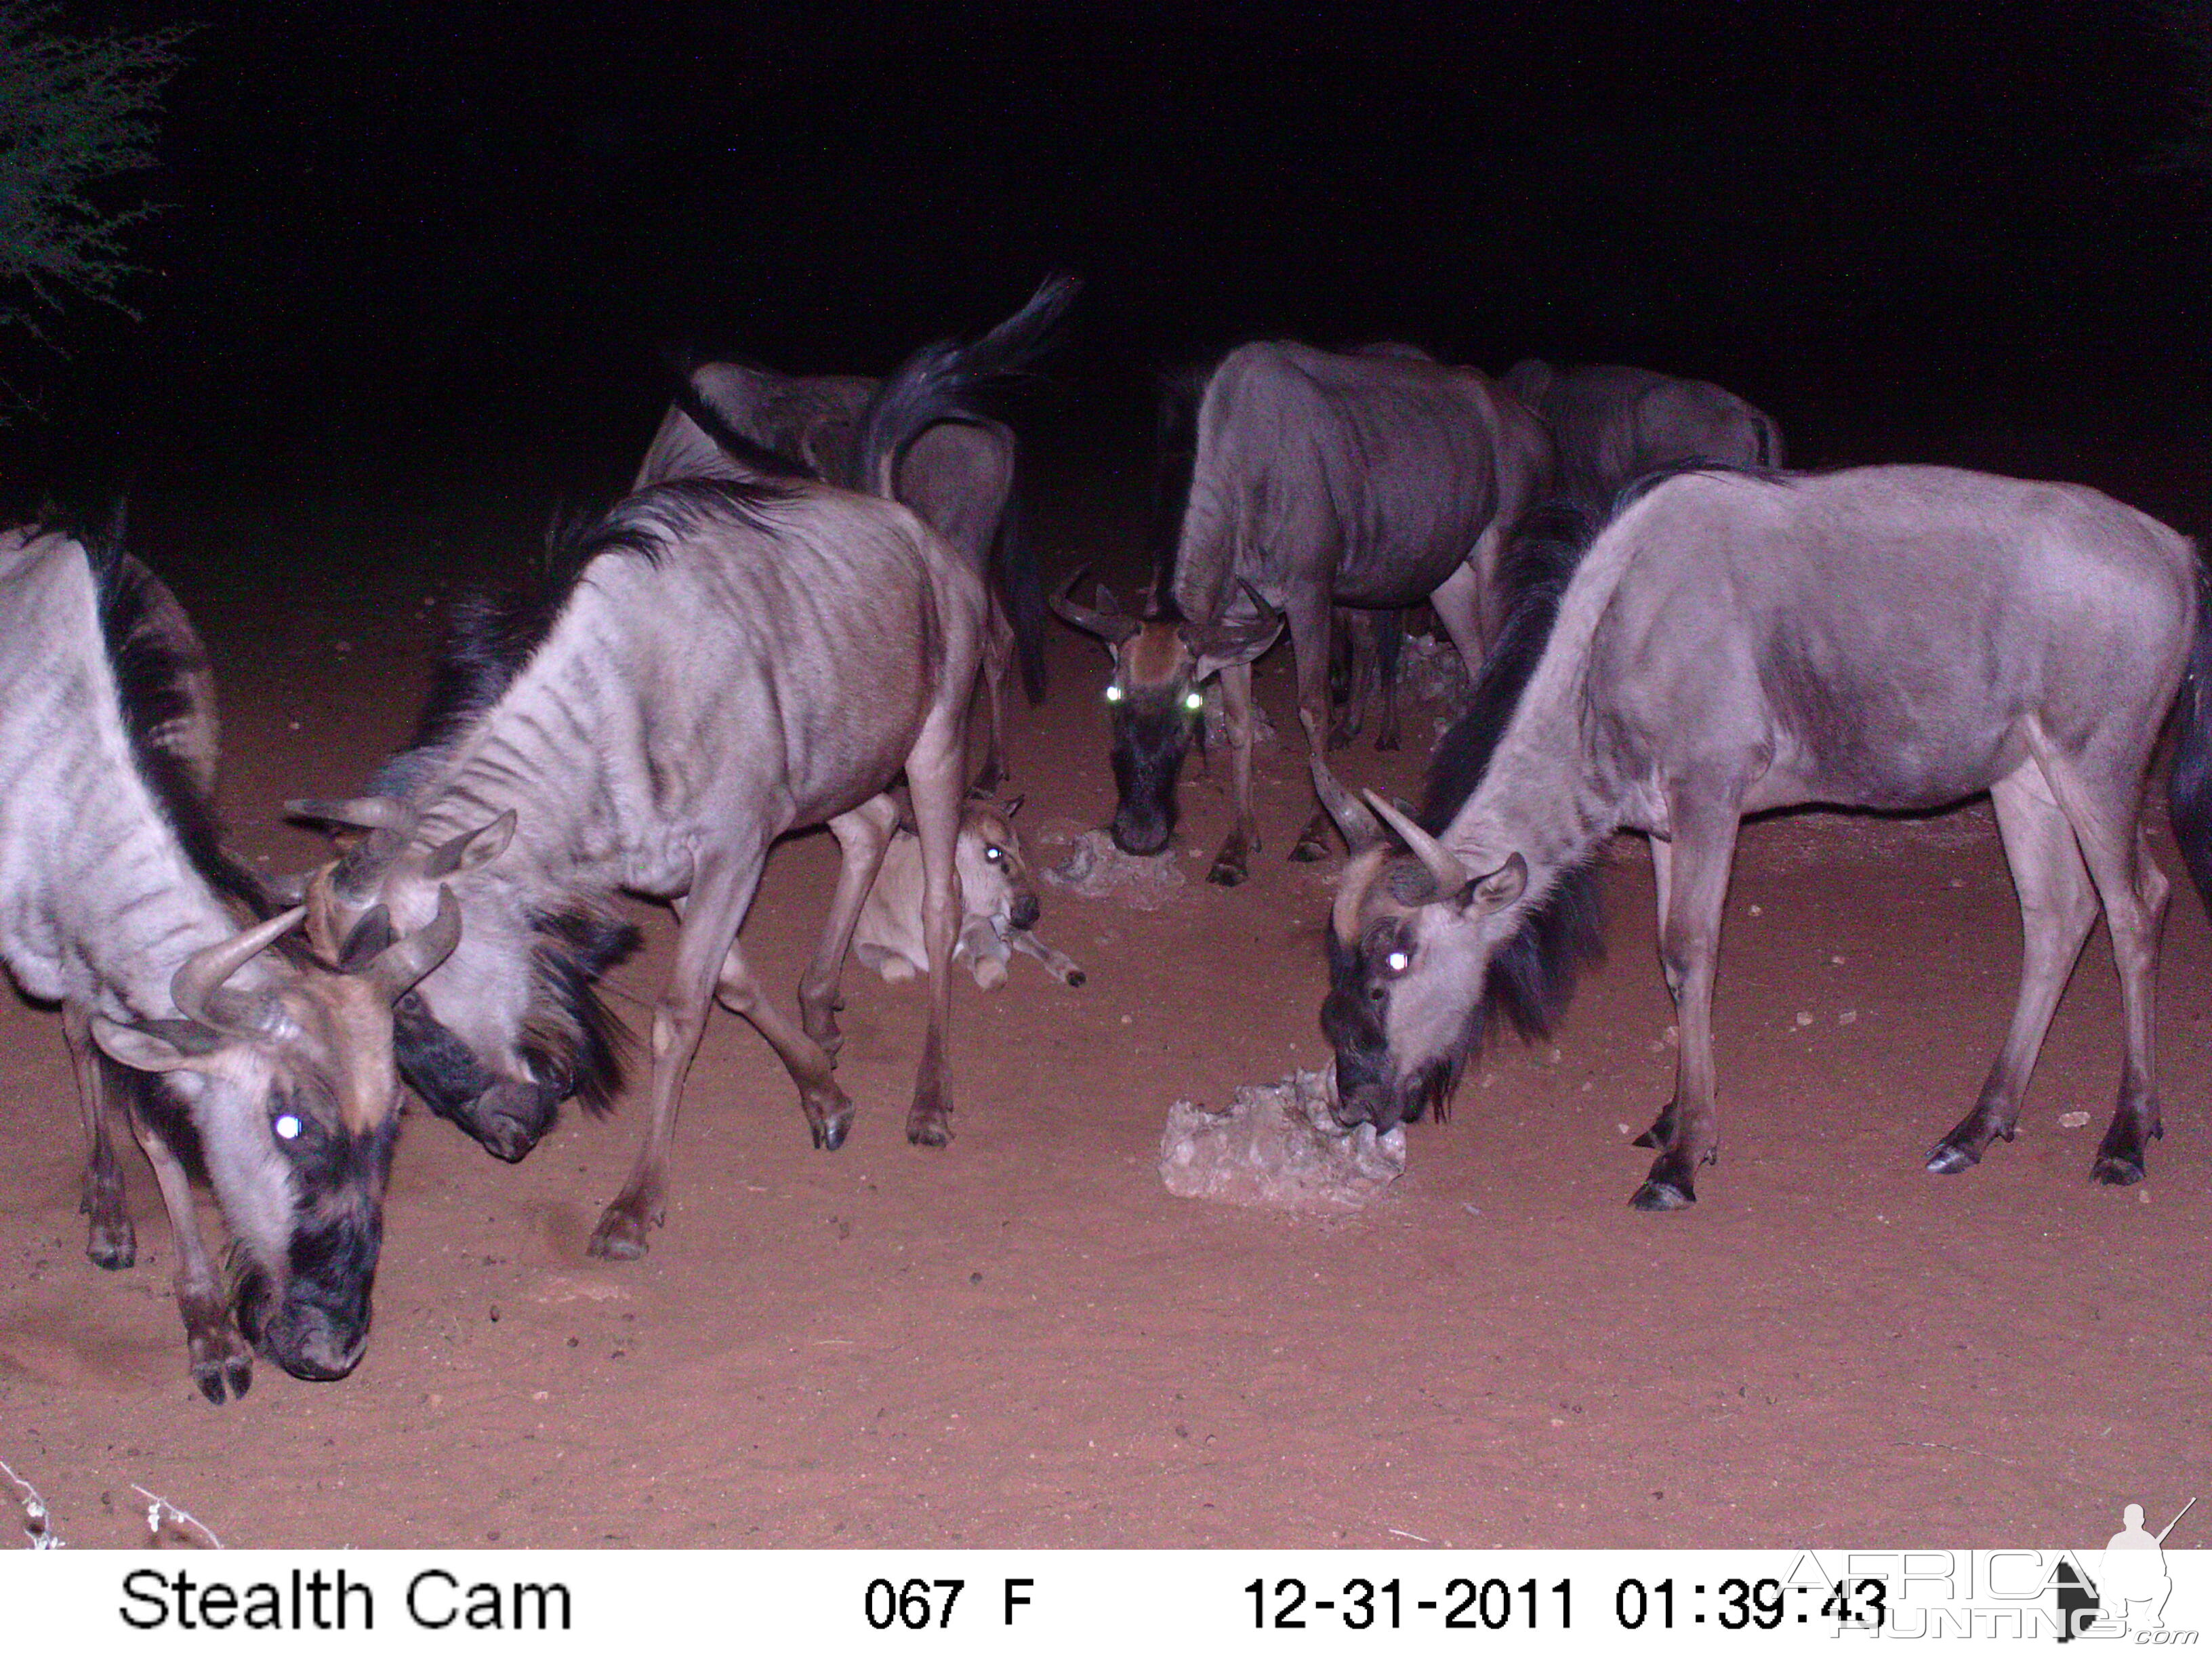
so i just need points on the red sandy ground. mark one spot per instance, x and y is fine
(1023, 1341)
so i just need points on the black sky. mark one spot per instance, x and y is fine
(403, 236)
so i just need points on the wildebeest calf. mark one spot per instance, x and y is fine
(999, 911)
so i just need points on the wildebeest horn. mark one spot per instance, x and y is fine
(1355, 823)
(196, 986)
(356, 876)
(396, 968)
(1234, 642)
(364, 812)
(1352, 889)
(1450, 875)
(1110, 626)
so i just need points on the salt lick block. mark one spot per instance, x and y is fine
(1280, 1148)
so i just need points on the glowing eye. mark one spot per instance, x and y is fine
(1194, 702)
(287, 1127)
(992, 854)
(1113, 694)
(1397, 961)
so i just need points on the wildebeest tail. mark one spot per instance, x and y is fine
(754, 457)
(2189, 792)
(941, 382)
(1020, 586)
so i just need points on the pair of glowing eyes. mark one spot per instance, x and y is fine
(1193, 701)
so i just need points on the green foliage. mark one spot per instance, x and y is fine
(75, 112)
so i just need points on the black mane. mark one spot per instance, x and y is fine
(491, 634)
(154, 661)
(1532, 977)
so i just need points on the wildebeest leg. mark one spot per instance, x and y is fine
(998, 658)
(1660, 1134)
(1459, 606)
(1390, 647)
(1357, 628)
(862, 834)
(1704, 829)
(2134, 892)
(110, 1240)
(222, 1364)
(933, 781)
(1308, 618)
(1065, 969)
(1229, 865)
(2057, 908)
(706, 951)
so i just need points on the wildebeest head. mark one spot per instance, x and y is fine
(996, 878)
(1412, 944)
(286, 1071)
(510, 1026)
(1160, 665)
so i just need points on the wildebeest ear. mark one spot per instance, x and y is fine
(1497, 890)
(472, 848)
(371, 935)
(167, 1045)
(1012, 807)
(1218, 646)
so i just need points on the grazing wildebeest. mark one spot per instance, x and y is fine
(1890, 639)
(999, 904)
(1373, 480)
(959, 474)
(1613, 424)
(274, 1075)
(717, 662)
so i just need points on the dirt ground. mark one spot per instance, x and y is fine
(1024, 1341)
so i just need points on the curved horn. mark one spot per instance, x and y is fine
(1110, 626)
(1351, 890)
(364, 812)
(1450, 875)
(398, 968)
(195, 985)
(1353, 822)
(357, 877)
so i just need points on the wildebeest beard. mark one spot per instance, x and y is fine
(571, 1044)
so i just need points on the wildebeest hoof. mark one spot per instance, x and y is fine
(1308, 851)
(112, 1242)
(1657, 1194)
(620, 1236)
(829, 1133)
(2116, 1169)
(1951, 1158)
(928, 1128)
(222, 1366)
(1226, 872)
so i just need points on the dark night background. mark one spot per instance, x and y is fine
(416, 263)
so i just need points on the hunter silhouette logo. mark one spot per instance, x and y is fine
(2131, 1586)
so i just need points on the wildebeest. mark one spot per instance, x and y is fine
(1373, 480)
(717, 662)
(998, 903)
(959, 474)
(1613, 424)
(272, 1074)
(1889, 639)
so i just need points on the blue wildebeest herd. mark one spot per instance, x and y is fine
(784, 625)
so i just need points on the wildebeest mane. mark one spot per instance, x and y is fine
(492, 633)
(154, 664)
(1532, 976)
